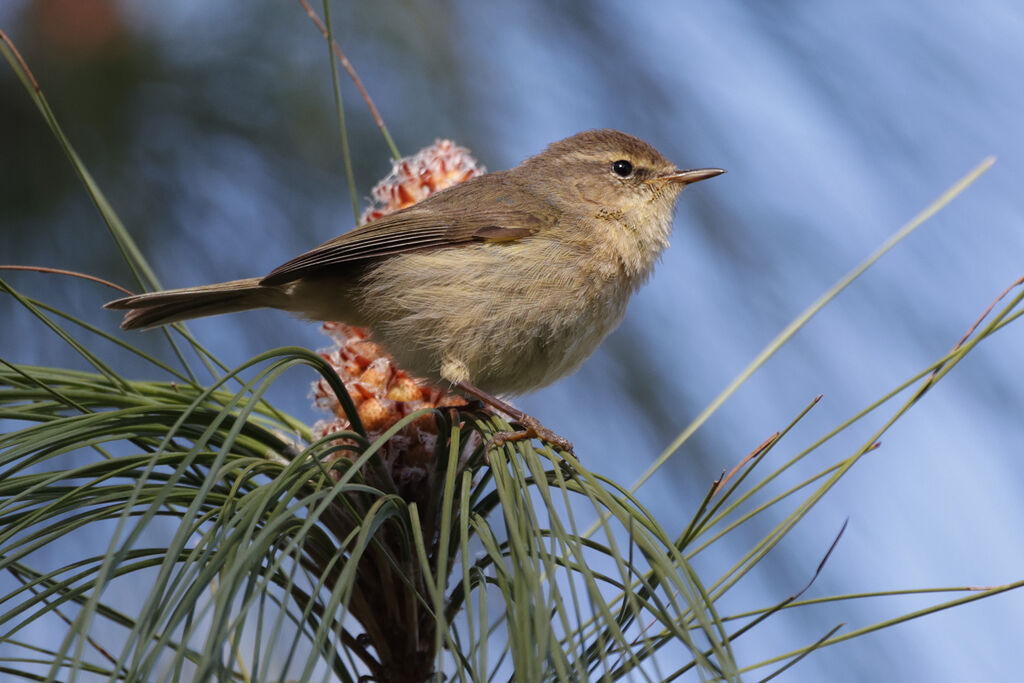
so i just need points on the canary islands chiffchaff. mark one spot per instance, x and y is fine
(500, 285)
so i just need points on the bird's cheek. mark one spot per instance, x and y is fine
(595, 193)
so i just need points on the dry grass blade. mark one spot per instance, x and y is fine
(71, 273)
(377, 118)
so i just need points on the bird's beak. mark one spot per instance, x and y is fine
(687, 177)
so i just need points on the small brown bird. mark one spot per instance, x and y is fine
(499, 285)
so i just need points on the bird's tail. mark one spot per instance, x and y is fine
(160, 308)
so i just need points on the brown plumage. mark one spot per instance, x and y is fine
(507, 281)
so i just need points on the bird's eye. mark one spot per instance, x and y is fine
(622, 168)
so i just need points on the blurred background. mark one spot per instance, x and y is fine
(212, 130)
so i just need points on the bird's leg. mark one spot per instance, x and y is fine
(532, 428)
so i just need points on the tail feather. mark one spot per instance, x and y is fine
(173, 305)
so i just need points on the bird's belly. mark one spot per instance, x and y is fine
(509, 331)
(532, 350)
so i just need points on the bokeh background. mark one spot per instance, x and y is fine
(211, 127)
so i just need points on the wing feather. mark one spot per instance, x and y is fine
(506, 213)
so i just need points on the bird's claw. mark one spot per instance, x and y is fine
(532, 429)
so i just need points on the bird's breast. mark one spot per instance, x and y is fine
(517, 315)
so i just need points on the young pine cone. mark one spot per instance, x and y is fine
(383, 394)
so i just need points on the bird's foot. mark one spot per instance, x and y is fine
(532, 429)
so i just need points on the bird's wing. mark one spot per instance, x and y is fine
(492, 211)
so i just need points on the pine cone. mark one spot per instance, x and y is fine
(383, 394)
(413, 179)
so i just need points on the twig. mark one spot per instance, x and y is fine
(806, 652)
(821, 565)
(824, 560)
(21, 60)
(932, 378)
(72, 273)
(750, 456)
(1017, 283)
(56, 610)
(355, 79)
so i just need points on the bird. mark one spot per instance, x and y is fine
(499, 285)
